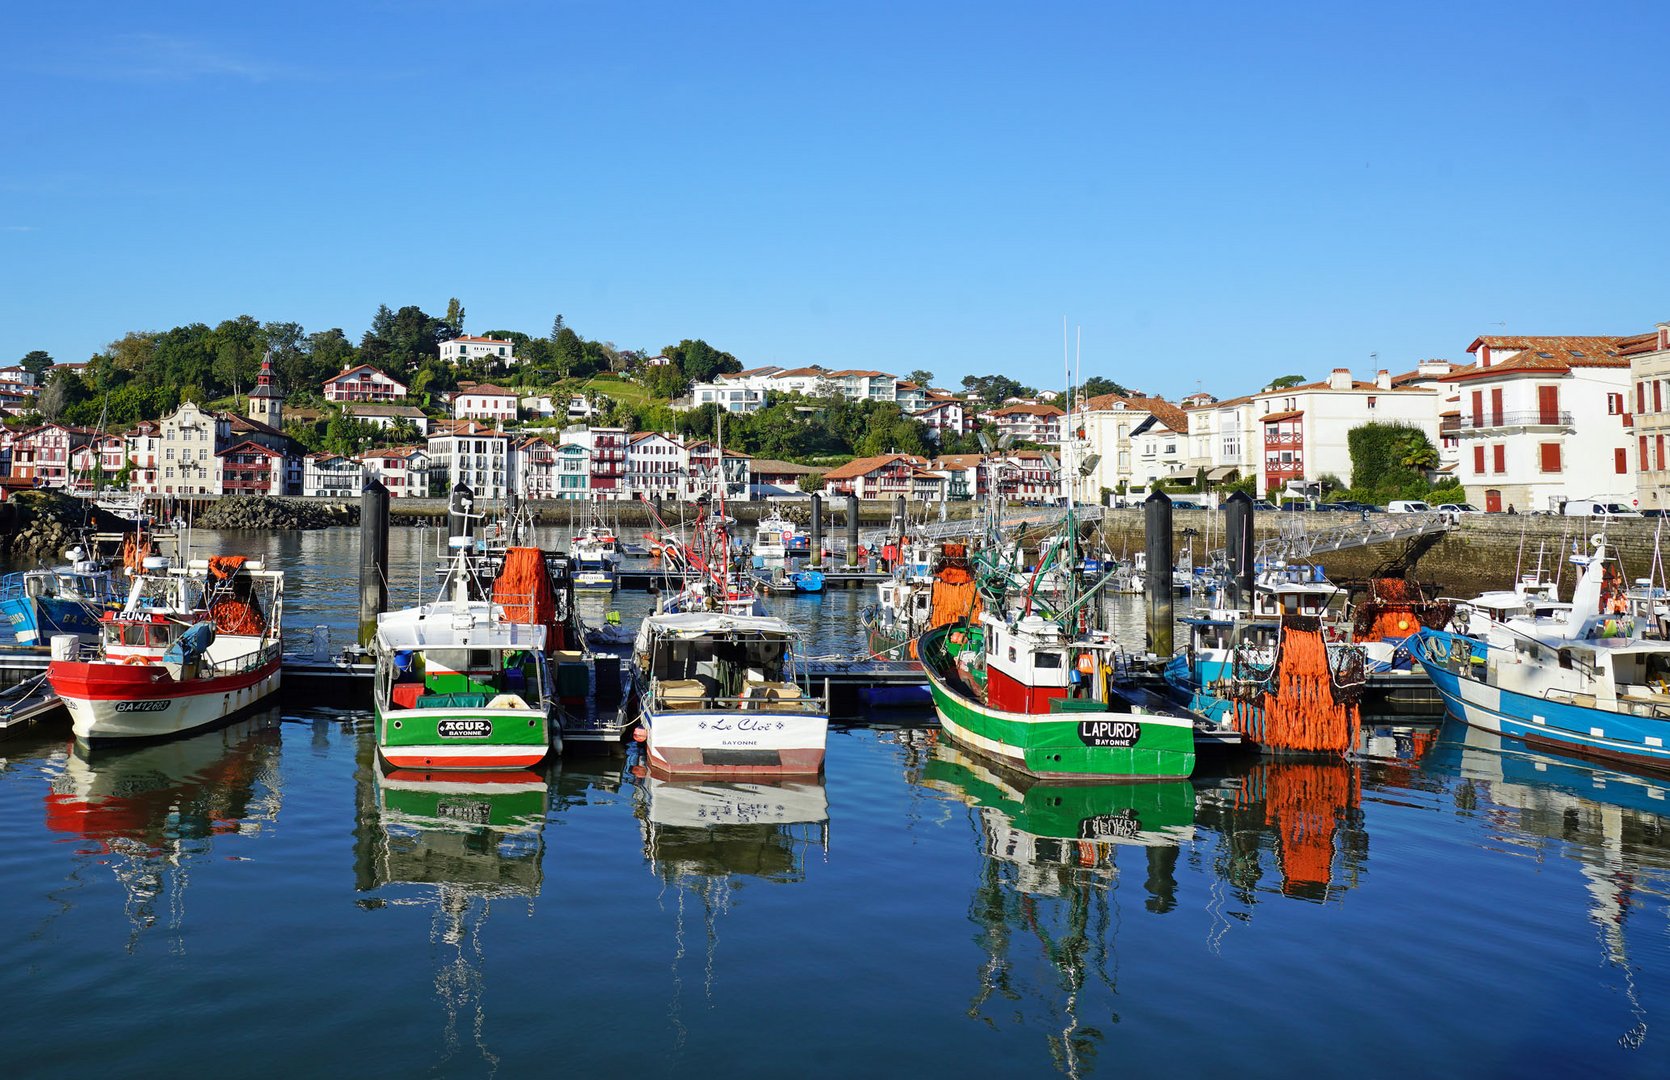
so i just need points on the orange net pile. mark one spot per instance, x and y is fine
(955, 596)
(523, 589)
(235, 612)
(232, 615)
(1396, 609)
(1304, 713)
(222, 567)
(135, 550)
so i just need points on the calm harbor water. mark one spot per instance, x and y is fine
(260, 900)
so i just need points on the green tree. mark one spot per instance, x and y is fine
(1284, 382)
(1097, 385)
(36, 362)
(922, 377)
(665, 382)
(810, 482)
(699, 361)
(454, 317)
(238, 345)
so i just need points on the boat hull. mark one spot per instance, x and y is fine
(1110, 746)
(503, 739)
(725, 743)
(1620, 738)
(110, 701)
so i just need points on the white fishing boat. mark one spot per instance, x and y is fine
(778, 539)
(717, 694)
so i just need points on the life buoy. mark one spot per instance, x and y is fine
(134, 660)
(1087, 664)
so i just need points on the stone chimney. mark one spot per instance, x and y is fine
(1340, 379)
(1663, 336)
(1434, 367)
(1383, 379)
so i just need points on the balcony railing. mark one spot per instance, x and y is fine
(1526, 418)
(1289, 438)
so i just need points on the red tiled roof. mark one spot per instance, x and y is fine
(489, 389)
(800, 372)
(357, 368)
(1273, 417)
(1162, 410)
(864, 466)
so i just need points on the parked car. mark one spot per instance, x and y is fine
(1598, 508)
(1264, 504)
(1186, 504)
(1458, 508)
(1408, 506)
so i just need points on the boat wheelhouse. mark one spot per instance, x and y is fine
(718, 694)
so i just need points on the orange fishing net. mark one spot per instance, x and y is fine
(523, 589)
(954, 598)
(1304, 713)
(234, 616)
(135, 550)
(1396, 608)
(224, 566)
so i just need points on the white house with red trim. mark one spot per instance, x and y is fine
(362, 382)
(881, 477)
(1028, 422)
(335, 476)
(1544, 420)
(42, 455)
(1306, 430)
(251, 468)
(947, 414)
(404, 470)
(1649, 369)
(484, 401)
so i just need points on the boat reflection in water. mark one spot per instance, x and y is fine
(1301, 819)
(454, 842)
(701, 836)
(154, 811)
(1049, 878)
(1615, 825)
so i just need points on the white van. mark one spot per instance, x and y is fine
(1597, 508)
(1407, 506)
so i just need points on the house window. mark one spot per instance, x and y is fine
(1614, 404)
(1549, 453)
(1643, 448)
(1500, 454)
(1620, 460)
(1371, 401)
(1478, 460)
(1658, 450)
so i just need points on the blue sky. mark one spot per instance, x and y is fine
(1216, 193)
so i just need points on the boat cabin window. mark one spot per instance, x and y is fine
(1047, 660)
(1657, 668)
(35, 585)
(1211, 636)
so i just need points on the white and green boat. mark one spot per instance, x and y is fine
(1032, 682)
(1046, 703)
(464, 682)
